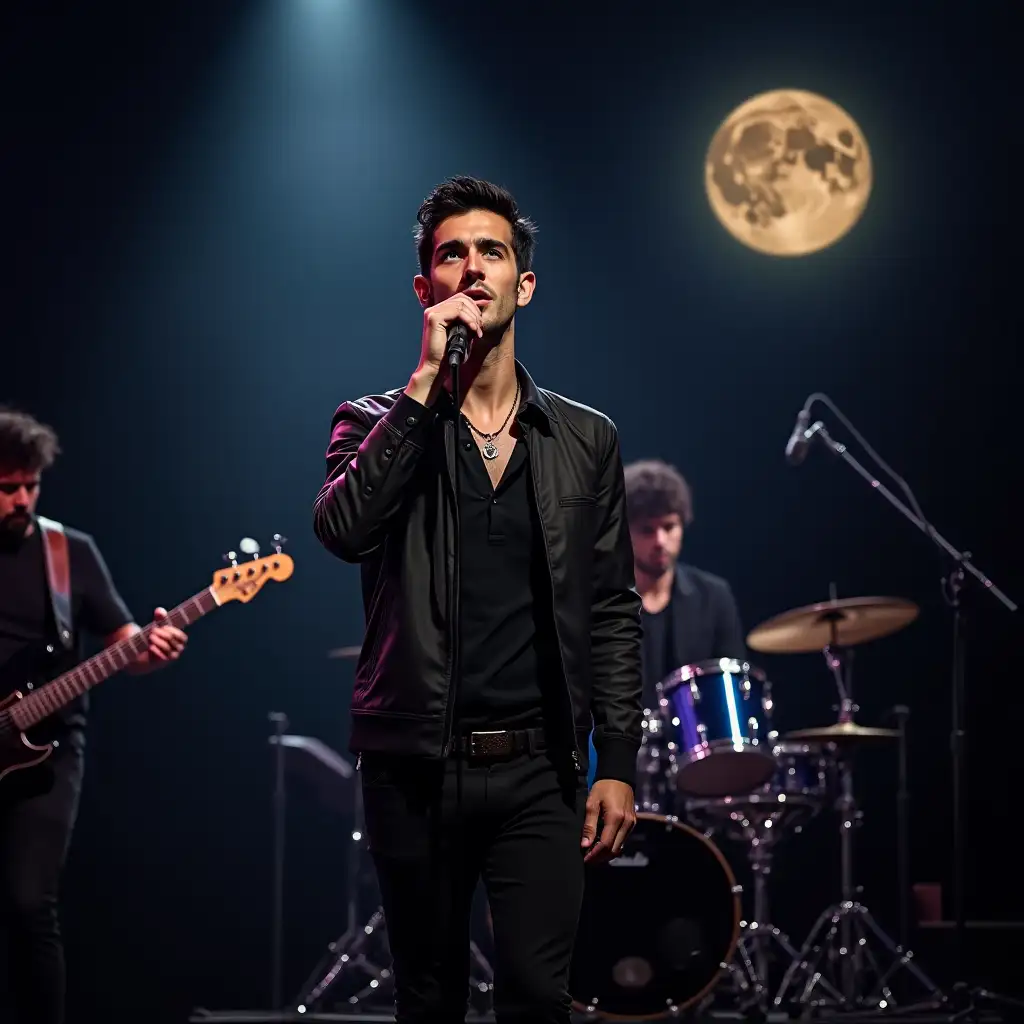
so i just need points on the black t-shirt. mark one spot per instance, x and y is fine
(26, 615)
(658, 651)
(510, 663)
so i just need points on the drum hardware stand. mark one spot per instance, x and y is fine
(840, 663)
(349, 952)
(849, 926)
(843, 933)
(759, 938)
(964, 998)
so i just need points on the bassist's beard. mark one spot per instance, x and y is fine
(13, 528)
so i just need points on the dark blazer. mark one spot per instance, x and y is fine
(705, 619)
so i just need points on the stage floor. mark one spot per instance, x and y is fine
(990, 970)
(932, 1016)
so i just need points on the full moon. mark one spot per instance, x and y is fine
(788, 173)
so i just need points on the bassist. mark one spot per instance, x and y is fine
(54, 587)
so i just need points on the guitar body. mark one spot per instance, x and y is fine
(32, 668)
(17, 752)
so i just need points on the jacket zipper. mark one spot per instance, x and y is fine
(551, 580)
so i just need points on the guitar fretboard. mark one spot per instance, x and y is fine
(60, 692)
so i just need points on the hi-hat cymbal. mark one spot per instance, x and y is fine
(855, 620)
(348, 653)
(843, 732)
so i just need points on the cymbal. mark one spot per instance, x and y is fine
(843, 732)
(348, 653)
(856, 619)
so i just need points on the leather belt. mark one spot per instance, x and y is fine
(498, 743)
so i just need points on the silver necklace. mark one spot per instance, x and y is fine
(490, 449)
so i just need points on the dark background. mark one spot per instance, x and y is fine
(208, 213)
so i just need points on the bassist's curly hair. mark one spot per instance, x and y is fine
(26, 444)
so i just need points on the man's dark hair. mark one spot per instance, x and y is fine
(25, 443)
(655, 489)
(462, 194)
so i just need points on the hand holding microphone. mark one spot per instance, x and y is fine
(458, 319)
(457, 309)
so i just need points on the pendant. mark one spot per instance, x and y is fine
(489, 450)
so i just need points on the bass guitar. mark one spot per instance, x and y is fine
(25, 708)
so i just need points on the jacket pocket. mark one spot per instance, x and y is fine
(577, 500)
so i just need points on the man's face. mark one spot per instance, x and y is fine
(19, 492)
(473, 253)
(656, 543)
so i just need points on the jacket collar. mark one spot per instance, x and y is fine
(683, 581)
(535, 408)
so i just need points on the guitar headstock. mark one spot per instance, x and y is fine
(242, 581)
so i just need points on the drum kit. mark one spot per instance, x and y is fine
(712, 768)
(713, 771)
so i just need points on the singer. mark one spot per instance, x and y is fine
(482, 773)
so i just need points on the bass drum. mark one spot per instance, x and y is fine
(657, 927)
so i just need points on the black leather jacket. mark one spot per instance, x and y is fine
(387, 505)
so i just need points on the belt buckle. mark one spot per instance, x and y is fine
(488, 744)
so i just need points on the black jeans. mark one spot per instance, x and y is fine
(37, 814)
(434, 829)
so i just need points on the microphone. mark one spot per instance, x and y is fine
(458, 343)
(799, 441)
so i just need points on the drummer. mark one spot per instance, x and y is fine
(689, 615)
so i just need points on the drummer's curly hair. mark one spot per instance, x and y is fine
(25, 444)
(655, 489)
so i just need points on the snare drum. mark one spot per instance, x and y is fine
(722, 713)
(795, 793)
(656, 926)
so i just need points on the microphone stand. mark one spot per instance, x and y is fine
(964, 998)
(280, 723)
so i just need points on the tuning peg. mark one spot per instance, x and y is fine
(279, 542)
(231, 558)
(249, 547)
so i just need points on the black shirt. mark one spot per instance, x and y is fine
(658, 651)
(701, 622)
(510, 663)
(26, 613)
